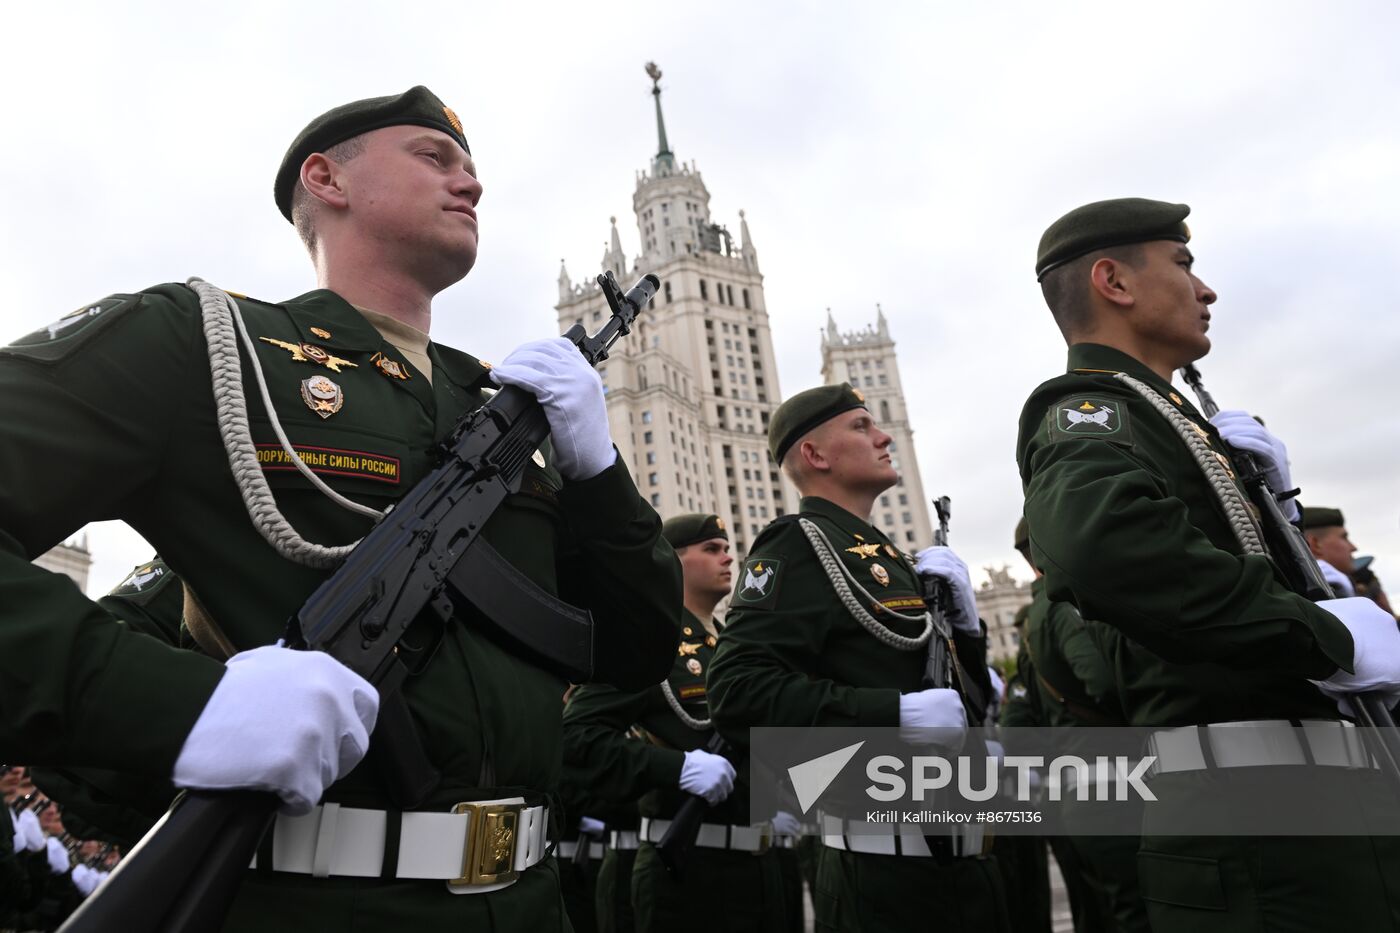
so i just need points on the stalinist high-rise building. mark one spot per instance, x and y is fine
(866, 360)
(691, 390)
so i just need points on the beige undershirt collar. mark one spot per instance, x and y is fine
(410, 341)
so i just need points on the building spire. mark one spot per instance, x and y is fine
(664, 156)
(746, 249)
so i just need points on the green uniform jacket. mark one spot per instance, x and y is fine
(793, 655)
(109, 414)
(620, 768)
(1069, 670)
(1126, 528)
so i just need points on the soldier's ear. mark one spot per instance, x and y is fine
(323, 180)
(1108, 278)
(811, 458)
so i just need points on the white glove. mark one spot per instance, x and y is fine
(29, 835)
(1339, 581)
(587, 824)
(58, 856)
(706, 775)
(85, 879)
(932, 717)
(998, 691)
(290, 722)
(942, 563)
(1239, 429)
(785, 824)
(571, 391)
(1376, 657)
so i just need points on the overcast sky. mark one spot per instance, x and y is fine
(906, 154)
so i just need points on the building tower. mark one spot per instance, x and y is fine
(691, 390)
(72, 558)
(866, 360)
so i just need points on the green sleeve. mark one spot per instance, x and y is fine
(1083, 655)
(772, 667)
(1132, 556)
(623, 570)
(85, 431)
(614, 766)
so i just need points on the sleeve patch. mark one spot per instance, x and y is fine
(1089, 416)
(758, 583)
(55, 341)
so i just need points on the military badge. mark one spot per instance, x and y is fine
(391, 368)
(860, 396)
(1174, 397)
(322, 396)
(711, 641)
(321, 332)
(452, 118)
(758, 583)
(881, 575)
(889, 549)
(142, 577)
(687, 631)
(310, 353)
(864, 551)
(694, 667)
(687, 648)
(719, 523)
(1089, 417)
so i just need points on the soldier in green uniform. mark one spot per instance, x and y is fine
(1137, 518)
(797, 652)
(669, 762)
(1069, 670)
(111, 413)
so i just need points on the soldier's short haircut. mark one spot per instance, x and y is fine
(304, 205)
(1066, 288)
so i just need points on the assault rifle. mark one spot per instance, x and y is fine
(1294, 559)
(676, 843)
(938, 669)
(425, 558)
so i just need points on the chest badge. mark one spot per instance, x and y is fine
(881, 575)
(694, 666)
(1174, 397)
(321, 332)
(322, 396)
(310, 353)
(893, 554)
(711, 641)
(391, 368)
(865, 551)
(687, 648)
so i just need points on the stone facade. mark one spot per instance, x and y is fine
(998, 600)
(71, 558)
(866, 359)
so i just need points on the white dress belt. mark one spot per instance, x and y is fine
(1258, 743)
(625, 840)
(712, 835)
(568, 848)
(880, 838)
(336, 841)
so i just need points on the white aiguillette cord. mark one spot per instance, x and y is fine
(222, 316)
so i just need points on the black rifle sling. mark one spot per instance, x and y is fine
(559, 634)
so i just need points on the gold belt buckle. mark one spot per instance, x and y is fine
(488, 856)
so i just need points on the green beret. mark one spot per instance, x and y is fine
(805, 411)
(1109, 223)
(417, 107)
(1023, 535)
(692, 528)
(1317, 517)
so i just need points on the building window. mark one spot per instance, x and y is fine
(903, 498)
(909, 536)
(729, 289)
(655, 500)
(885, 501)
(667, 288)
(646, 417)
(745, 293)
(651, 457)
(646, 437)
(704, 290)
(906, 518)
(652, 480)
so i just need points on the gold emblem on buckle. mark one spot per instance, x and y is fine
(488, 857)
